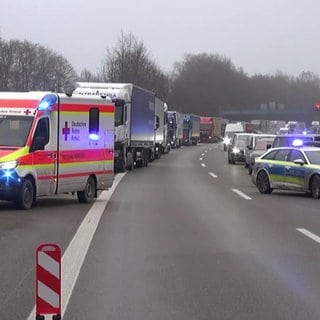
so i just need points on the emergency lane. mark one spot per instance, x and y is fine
(53, 219)
(177, 244)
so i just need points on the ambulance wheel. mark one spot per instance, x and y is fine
(315, 187)
(88, 194)
(26, 196)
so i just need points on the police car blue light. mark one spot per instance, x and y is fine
(297, 143)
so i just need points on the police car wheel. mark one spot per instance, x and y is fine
(88, 194)
(25, 198)
(263, 183)
(315, 187)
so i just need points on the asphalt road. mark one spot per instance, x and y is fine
(189, 237)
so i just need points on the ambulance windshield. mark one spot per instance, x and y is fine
(14, 130)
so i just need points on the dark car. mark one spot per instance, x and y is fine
(237, 147)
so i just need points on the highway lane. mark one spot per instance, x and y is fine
(175, 243)
(178, 243)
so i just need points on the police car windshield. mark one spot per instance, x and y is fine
(313, 156)
(14, 130)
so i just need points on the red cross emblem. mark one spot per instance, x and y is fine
(66, 131)
(27, 112)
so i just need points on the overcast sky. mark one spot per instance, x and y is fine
(261, 36)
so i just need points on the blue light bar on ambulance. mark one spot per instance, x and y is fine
(47, 102)
(94, 136)
(297, 143)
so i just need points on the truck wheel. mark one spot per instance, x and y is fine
(26, 195)
(315, 187)
(122, 166)
(88, 194)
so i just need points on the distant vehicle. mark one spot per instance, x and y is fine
(210, 129)
(191, 129)
(252, 142)
(161, 144)
(230, 130)
(175, 128)
(288, 168)
(237, 147)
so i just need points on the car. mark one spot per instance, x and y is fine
(288, 168)
(251, 146)
(237, 146)
(294, 140)
(230, 130)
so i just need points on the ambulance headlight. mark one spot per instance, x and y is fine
(8, 165)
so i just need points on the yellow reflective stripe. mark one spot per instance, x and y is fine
(15, 155)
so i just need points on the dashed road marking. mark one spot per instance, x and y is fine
(241, 194)
(203, 164)
(309, 234)
(213, 175)
(200, 159)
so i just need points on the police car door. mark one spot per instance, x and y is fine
(277, 167)
(295, 173)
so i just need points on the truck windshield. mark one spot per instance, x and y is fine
(14, 130)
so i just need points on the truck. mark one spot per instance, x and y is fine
(161, 132)
(210, 129)
(52, 143)
(175, 128)
(191, 129)
(135, 121)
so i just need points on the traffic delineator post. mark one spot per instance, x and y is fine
(48, 281)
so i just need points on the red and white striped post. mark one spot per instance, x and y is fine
(48, 281)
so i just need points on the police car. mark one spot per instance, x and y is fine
(288, 168)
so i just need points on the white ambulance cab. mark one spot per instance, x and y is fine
(51, 143)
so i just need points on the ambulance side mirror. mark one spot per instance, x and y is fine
(38, 144)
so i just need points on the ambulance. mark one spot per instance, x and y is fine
(53, 143)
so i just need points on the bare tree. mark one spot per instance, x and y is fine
(130, 61)
(27, 66)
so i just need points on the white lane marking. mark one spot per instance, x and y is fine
(205, 151)
(76, 252)
(203, 164)
(241, 194)
(202, 154)
(200, 159)
(213, 175)
(309, 234)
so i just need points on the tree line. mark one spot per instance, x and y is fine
(202, 83)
